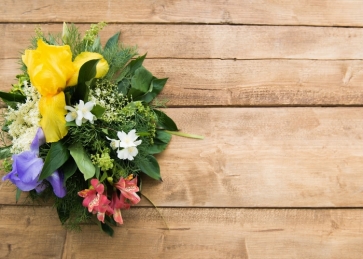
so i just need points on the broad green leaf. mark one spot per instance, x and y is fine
(135, 64)
(149, 166)
(161, 141)
(69, 168)
(98, 111)
(56, 157)
(165, 122)
(82, 160)
(156, 86)
(5, 152)
(86, 73)
(123, 86)
(140, 82)
(12, 97)
(112, 41)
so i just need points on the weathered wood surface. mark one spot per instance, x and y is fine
(263, 12)
(212, 82)
(213, 41)
(194, 233)
(267, 182)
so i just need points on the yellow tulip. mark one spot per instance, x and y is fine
(49, 68)
(101, 68)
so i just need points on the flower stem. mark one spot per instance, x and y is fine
(186, 135)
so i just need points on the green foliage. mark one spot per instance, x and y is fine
(56, 157)
(82, 160)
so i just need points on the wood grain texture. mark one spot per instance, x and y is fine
(260, 157)
(35, 233)
(264, 12)
(212, 41)
(247, 82)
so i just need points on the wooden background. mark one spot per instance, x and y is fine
(276, 89)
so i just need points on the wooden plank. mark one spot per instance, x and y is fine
(324, 12)
(194, 233)
(247, 82)
(213, 41)
(30, 233)
(260, 157)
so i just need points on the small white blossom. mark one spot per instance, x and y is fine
(81, 113)
(127, 153)
(128, 140)
(129, 144)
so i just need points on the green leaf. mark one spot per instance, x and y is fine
(5, 152)
(86, 74)
(112, 41)
(165, 122)
(69, 168)
(71, 124)
(17, 195)
(106, 228)
(98, 111)
(63, 214)
(140, 82)
(12, 97)
(135, 64)
(96, 44)
(82, 160)
(149, 166)
(156, 86)
(161, 141)
(87, 71)
(56, 157)
(123, 86)
(98, 172)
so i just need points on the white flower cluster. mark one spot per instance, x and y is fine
(24, 121)
(129, 144)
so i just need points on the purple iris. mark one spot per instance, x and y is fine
(27, 167)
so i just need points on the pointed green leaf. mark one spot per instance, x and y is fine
(106, 228)
(56, 157)
(149, 166)
(123, 86)
(135, 64)
(112, 41)
(82, 160)
(140, 82)
(86, 73)
(156, 86)
(165, 122)
(5, 152)
(63, 214)
(161, 141)
(96, 44)
(69, 168)
(98, 111)
(17, 195)
(12, 97)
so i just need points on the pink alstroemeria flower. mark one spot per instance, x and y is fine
(117, 204)
(95, 200)
(128, 189)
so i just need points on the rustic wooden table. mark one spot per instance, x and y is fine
(276, 89)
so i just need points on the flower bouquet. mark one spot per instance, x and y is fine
(84, 125)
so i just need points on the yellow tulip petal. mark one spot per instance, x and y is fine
(53, 123)
(49, 67)
(101, 68)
